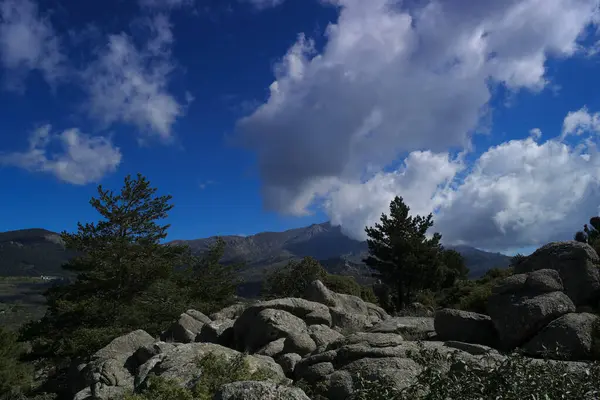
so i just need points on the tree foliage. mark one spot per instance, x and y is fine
(15, 375)
(126, 278)
(293, 279)
(404, 257)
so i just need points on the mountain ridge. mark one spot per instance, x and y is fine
(36, 251)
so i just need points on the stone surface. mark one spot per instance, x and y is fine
(253, 390)
(464, 326)
(576, 264)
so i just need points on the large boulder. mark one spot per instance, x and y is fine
(181, 363)
(309, 311)
(219, 332)
(569, 337)
(259, 390)
(186, 328)
(110, 372)
(465, 326)
(348, 313)
(518, 317)
(253, 330)
(577, 264)
(409, 327)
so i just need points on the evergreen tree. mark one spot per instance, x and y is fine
(402, 255)
(15, 375)
(120, 258)
(454, 268)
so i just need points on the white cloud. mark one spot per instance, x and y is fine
(129, 83)
(517, 194)
(393, 79)
(84, 159)
(28, 42)
(581, 121)
(535, 133)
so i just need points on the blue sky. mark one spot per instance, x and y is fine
(269, 115)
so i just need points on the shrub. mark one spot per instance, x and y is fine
(514, 378)
(342, 284)
(15, 376)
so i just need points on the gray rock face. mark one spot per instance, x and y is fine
(219, 332)
(253, 390)
(464, 326)
(348, 313)
(517, 317)
(110, 371)
(253, 330)
(311, 312)
(231, 312)
(186, 328)
(181, 362)
(323, 335)
(411, 327)
(576, 264)
(572, 333)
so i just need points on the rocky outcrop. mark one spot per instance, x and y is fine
(252, 390)
(333, 341)
(569, 337)
(464, 326)
(186, 328)
(348, 313)
(577, 264)
(523, 304)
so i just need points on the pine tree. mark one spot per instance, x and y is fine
(401, 253)
(119, 259)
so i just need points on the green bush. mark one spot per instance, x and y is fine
(342, 284)
(216, 371)
(515, 378)
(15, 376)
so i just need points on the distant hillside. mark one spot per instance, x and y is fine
(32, 252)
(338, 253)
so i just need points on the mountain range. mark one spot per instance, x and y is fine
(35, 252)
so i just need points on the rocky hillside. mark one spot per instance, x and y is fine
(32, 252)
(327, 343)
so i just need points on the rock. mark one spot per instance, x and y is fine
(198, 316)
(575, 262)
(517, 318)
(288, 362)
(473, 349)
(145, 353)
(311, 312)
(110, 371)
(465, 326)
(417, 309)
(322, 335)
(219, 332)
(253, 330)
(543, 281)
(272, 349)
(231, 312)
(571, 332)
(411, 327)
(348, 313)
(300, 343)
(187, 327)
(255, 390)
(181, 363)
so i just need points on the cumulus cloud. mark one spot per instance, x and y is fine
(129, 83)
(519, 193)
(581, 121)
(83, 159)
(394, 78)
(28, 42)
